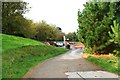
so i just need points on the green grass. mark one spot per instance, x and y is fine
(78, 42)
(12, 42)
(109, 64)
(18, 58)
(0, 66)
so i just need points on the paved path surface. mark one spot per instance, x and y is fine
(91, 74)
(62, 66)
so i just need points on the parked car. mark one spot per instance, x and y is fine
(53, 43)
(59, 44)
(47, 43)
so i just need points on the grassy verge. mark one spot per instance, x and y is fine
(13, 42)
(106, 63)
(78, 42)
(0, 57)
(17, 62)
(20, 54)
(0, 66)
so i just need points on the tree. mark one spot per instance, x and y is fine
(47, 32)
(94, 24)
(72, 36)
(59, 36)
(114, 37)
(29, 30)
(13, 21)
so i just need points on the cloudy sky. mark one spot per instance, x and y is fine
(62, 13)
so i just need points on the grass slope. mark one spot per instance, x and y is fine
(109, 64)
(23, 54)
(12, 42)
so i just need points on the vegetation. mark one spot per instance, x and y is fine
(114, 37)
(13, 21)
(72, 36)
(47, 32)
(106, 63)
(20, 54)
(94, 24)
(17, 42)
(98, 30)
(20, 26)
(78, 42)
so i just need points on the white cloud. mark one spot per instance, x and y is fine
(62, 13)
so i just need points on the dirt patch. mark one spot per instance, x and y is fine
(104, 56)
(85, 55)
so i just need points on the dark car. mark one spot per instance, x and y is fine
(53, 43)
(71, 42)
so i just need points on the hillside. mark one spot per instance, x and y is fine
(12, 42)
(20, 54)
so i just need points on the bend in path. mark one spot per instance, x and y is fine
(58, 66)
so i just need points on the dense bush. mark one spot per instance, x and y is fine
(94, 24)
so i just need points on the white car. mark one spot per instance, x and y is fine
(59, 44)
